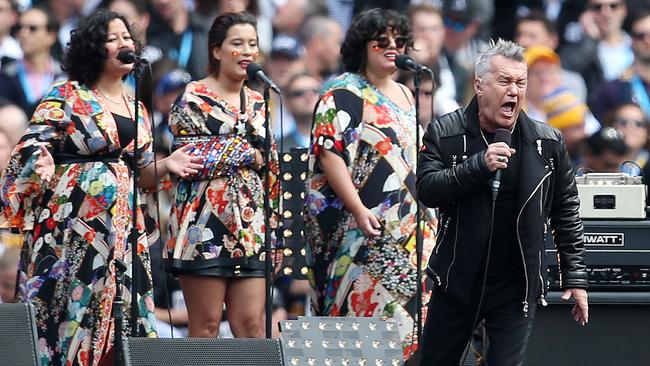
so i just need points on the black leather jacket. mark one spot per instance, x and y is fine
(453, 176)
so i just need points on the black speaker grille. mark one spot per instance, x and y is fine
(17, 336)
(202, 352)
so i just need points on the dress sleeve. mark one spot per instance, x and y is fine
(337, 115)
(21, 186)
(145, 140)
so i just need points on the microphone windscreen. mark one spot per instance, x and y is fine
(252, 69)
(126, 56)
(402, 62)
(503, 135)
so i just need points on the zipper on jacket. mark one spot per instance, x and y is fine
(453, 160)
(521, 248)
(453, 259)
(539, 146)
(444, 233)
(541, 278)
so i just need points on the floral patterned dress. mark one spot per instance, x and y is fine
(76, 226)
(217, 223)
(351, 274)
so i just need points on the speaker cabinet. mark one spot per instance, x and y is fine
(617, 334)
(18, 339)
(202, 351)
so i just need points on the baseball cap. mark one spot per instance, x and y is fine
(172, 81)
(563, 109)
(536, 53)
(463, 12)
(286, 45)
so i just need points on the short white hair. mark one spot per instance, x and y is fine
(507, 49)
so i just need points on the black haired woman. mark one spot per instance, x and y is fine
(217, 224)
(360, 205)
(67, 190)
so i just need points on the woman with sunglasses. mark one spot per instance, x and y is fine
(630, 120)
(360, 205)
(68, 190)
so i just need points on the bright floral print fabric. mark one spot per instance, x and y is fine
(351, 274)
(217, 225)
(75, 226)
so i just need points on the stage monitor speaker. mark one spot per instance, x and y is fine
(18, 339)
(140, 351)
(617, 333)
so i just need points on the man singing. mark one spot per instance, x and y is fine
(489, 258)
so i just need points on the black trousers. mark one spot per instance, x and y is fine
(449, 325)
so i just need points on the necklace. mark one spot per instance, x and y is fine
(105, 96)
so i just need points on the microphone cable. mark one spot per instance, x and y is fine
(485, 272)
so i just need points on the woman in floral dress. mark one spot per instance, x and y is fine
(216, 244)
(68, 190)
(360, 206)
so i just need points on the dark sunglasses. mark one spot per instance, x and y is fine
(600, 6)
(32, 28)
(300, 92)
(640, 36)
(624, 122)
(384, 42)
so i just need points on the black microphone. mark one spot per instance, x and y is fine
(255, 71)
(500, 135)
(405, 62)
(127, 56)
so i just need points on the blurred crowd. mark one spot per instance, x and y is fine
(588, 75)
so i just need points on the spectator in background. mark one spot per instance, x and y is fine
(463, 20)
(566, 113)
(301, 98)
(167, 90)
(544, 79)
(13, 121)
(25, 81)
(322, 37)
(427, 89)
(292, 14)
(605, 151)
(535, 29)
(629, 120)
(180, 35)
(136, 12)
(603, 51)
(9, 48)
(286, 59)
(429, 36)
(634, 84)
(67, 14)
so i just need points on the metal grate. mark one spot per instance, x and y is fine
(18, 335)
(202, 352)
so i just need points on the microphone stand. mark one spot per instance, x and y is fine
(137, 73)
(417, 81)
(118, 312)
(267, 211)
